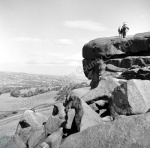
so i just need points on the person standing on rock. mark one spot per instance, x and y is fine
(124, 29)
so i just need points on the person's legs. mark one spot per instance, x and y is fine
(124, 34)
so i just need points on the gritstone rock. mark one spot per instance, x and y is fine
(34, 119)
(124, 132)
(132, 97)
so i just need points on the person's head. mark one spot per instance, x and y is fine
(124, 24)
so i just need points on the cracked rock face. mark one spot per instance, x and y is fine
(85, 116)
(132, 97)
(123, 132)
(119, 69)
(113, 56)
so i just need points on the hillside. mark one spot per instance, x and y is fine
(21, 81)
(12, 79)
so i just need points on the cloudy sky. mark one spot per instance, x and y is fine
(47, 36)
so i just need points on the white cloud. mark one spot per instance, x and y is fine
(28, 39)
(86, 25)
(64, 41)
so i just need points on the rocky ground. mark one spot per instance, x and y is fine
(112, 113)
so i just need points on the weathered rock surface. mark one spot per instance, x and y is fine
(71, 115)
(16, 142)
(36, 137)
(25, 133)
(113, 56)
(34, 119)
(31, 135)
(105, 47)
(101, 47)
(144, 35)
(132, 97)
(53, 124)
(130, 61)
(80, 92)
(137, 73)
(104, 89)
(56, 119)
(44, 144)
(89, 118)
(85, 116)
(124, 132)
(54, 140)
(60, 110)
(94, 107)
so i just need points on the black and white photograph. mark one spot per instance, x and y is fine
(74, 73)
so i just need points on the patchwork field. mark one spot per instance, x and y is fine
(8, 103)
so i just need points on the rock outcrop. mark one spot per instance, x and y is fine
(114, 56)
(124, 132)
(111, 46)
(49, 133)
(119, 70)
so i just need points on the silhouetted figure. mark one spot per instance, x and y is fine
(120, 32)
(123, 31)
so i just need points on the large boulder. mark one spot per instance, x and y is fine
(54, 140)
(36, 137)
(143, 35)
(117, 56)
(104, 89)
(31, 135)
(132, 97)
(30, 129)
(53, 124)
(34, 119)
(16, 142)
(138, 44)
(85, 116)
(25, 133)
(89, 118)
(124, 132)
(100, 47)
(105, 47)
